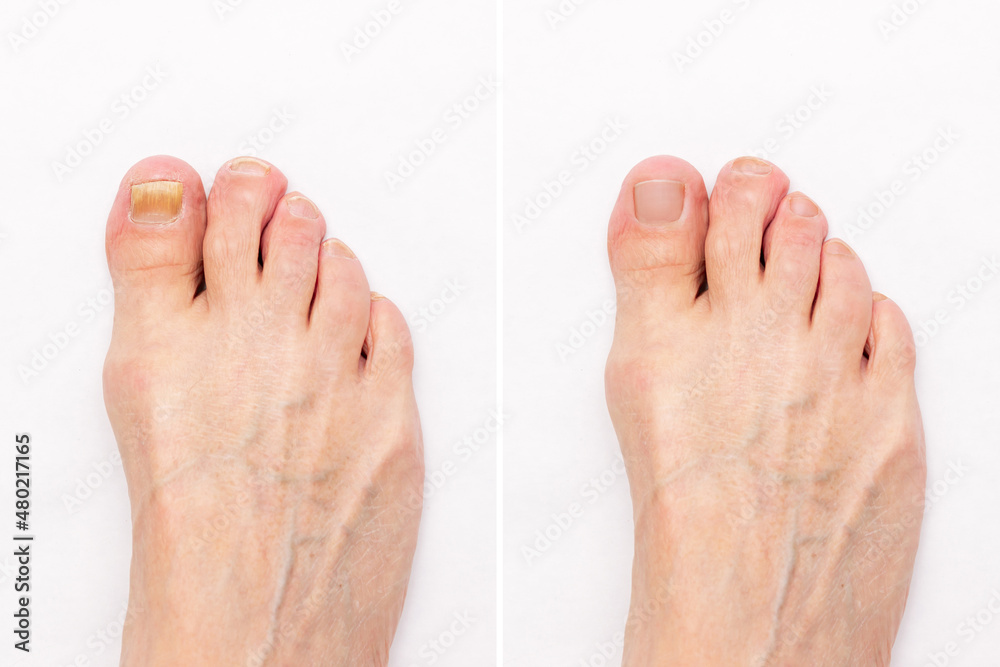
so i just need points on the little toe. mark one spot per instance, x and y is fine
(388, 347)
(891, 348)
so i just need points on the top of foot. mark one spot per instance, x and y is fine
(262, 400)
(765, 403)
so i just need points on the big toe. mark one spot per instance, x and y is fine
(154, 235)
(656, 238)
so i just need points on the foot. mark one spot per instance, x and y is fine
(769, 423)
(262, 402)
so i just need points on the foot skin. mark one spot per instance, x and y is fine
(769, 424)
(266, 422)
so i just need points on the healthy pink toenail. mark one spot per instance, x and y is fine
(751, 166)
(803, 206)
(249, 165)
(156, 202)
(659, 202)
(301, 207)
(337, 248)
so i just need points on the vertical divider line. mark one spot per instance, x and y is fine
(500, 333)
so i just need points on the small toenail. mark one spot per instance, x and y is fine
(659, 202)
(156, 202)
(249, 165)
(301, 207)
(839, 248)
(803, 206)
(377, 297)
(751, 166)
(337, 248)
(878, 296)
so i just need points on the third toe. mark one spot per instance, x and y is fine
(793, 244)
(290, 253)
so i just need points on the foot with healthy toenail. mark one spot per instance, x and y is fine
(764, 400)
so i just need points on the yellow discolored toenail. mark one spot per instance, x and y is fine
(157, 202)
(377, 297)
(878, 296)
(751, 166)
(250, 165)
(659, 202)
(337, 248)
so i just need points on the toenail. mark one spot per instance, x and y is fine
(839, 248)
(751, 166)
(337, 248)
(156, 202)
(301, 207)
(377, 297)
(659, 202)
(803, 206)
(878, 296)
(249, 165)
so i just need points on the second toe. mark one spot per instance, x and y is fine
(745, 198)
(243, 198)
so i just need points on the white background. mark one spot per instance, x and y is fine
(609, 62)
(225, 75)
(614, 60)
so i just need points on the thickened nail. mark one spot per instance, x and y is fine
(157, 202)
